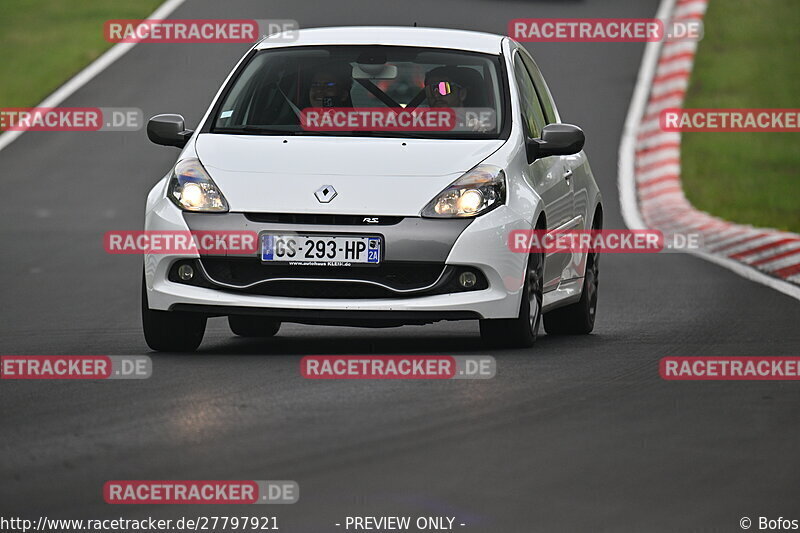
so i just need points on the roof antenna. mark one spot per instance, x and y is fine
(415, 24)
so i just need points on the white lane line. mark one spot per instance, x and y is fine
(93, 69)
(627, 147)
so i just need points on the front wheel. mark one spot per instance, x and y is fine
(578, 318)
(170, 331)
(520, 332)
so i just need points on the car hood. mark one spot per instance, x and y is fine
(372, 176)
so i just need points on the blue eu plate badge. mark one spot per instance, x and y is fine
(267, 247)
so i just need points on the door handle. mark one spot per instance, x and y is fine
(568, 174)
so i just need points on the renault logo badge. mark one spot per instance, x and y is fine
(326, 193)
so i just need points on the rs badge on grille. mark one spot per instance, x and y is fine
(326, 193)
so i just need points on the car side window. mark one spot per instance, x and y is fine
(532, 114)
(546, 99)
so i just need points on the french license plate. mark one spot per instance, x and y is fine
(329, 250)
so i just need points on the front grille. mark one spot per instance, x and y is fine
(396, 274)
(326, 220)
(305, 282)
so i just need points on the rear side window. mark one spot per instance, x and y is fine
(532, 113)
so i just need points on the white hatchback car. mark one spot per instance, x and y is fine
(374, 226)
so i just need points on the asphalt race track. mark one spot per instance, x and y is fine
(579, 434)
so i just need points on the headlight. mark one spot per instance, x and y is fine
(479, 190)
(192, 189)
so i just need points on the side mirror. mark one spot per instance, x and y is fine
(168, 130)
(557, 139)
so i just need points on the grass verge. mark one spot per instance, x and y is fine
(749, 58)
(43, 43)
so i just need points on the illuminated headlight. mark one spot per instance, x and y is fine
(192, 189)
(479, 190)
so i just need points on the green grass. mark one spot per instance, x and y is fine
(45, 42)
(749, 58)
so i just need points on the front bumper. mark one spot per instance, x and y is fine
(455, 245)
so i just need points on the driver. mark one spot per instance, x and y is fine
(330, 86)
(445, 87)
(449, 87)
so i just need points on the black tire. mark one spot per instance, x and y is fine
(253, 326)
(169, 331)
(520, 332)
(577, 318)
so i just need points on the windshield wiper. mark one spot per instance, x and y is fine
(257, 130)
(401, 134)
(266, 130)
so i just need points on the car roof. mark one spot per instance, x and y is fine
(473, 41)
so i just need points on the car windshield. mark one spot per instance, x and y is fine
(365, 90)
